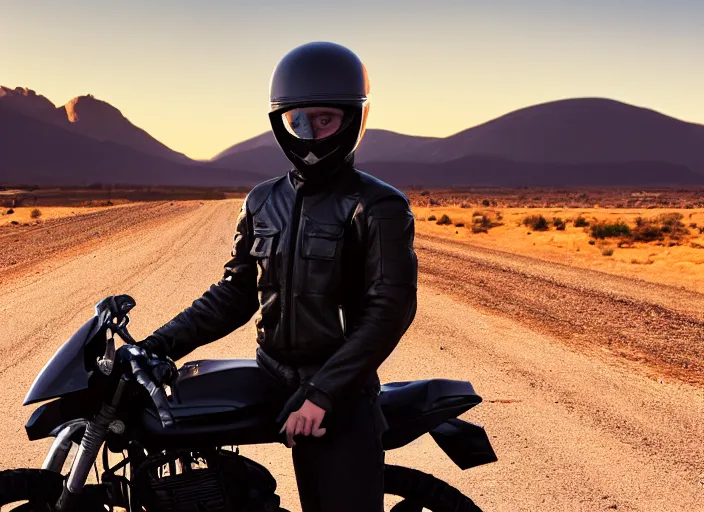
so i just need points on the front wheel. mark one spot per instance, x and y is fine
(420, 491)
(33, 490)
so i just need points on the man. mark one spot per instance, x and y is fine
(333, 248)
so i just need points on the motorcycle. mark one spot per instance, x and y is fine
(177, 431)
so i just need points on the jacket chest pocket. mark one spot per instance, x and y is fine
(321, 245)
(264, 250)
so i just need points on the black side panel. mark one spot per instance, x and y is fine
(417, 407)
(199, 427)
(467, 444)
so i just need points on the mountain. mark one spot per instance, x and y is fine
(266, 139)
(88, 116)
(37, 152)
(263, 153)
(574, 131)
(575, 142)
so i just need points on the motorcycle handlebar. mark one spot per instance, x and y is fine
(156, 391)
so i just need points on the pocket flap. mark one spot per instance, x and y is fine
(319, 248)
(316, 229)
(263, 242)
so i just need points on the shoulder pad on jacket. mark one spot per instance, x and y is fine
(374, 189)
(260, 193)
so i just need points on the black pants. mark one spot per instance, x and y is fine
(343, 471)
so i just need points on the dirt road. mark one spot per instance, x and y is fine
(575, 427)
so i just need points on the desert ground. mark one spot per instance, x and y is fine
(592, 378)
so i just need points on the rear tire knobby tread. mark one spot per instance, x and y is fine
(426, 489)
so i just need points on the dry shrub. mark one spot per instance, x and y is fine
(559, 223)
(536, 222)
(432, 217)
(671, 224)
(607, 251)
(444, 220)
(657, 228)
(581, 222)
(36, 213)
(482, 222)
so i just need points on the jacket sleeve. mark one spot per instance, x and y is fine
(389, 305)
(224, 307)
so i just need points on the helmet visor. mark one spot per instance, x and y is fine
(315, 122)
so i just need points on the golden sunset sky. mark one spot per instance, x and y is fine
(195, 75)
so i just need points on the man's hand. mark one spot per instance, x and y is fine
(305, 421)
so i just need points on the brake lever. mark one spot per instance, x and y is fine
(121, 329)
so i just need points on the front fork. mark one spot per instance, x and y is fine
(96, 432)
(58, 453)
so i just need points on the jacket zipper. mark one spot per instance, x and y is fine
(293, 245)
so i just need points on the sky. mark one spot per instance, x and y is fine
(195, 74)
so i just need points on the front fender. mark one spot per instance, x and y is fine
(47, 418)
(467, 444)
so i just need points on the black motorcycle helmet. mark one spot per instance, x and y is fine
(318, 98)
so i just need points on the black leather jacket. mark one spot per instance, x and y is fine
(336, 286)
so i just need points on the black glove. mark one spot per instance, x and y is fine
(154, 346)
(163, 371)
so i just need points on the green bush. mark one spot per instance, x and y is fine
(605, 229)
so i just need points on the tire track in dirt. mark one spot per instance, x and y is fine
(24, 247)
(658, 326)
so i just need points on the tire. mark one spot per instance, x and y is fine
(423, 491)
(40, 488)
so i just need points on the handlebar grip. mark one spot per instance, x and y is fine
(156, 393)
